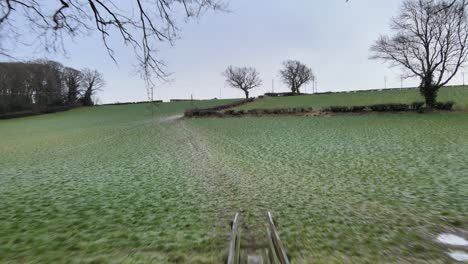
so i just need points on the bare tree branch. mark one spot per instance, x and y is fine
(430, 41)
(243, 78)
(153, 24)
(295, 75)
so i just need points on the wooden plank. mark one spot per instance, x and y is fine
(272, 256)
(266, 256)
(238, 240)
(278, 245)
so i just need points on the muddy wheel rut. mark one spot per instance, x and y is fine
(224, 188)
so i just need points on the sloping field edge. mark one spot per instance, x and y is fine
(217, 110)
(27, 113)
(223, 111)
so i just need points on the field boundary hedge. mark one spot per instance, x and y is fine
(286, 94)
(215, 111)
(221, 111)
(131, 103)
(49, 110)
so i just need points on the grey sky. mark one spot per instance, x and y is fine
(331, 36)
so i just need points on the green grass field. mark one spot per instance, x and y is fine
(114, 185)
(458, 94)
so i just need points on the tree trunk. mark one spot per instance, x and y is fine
(87, 100)
(246, 94)
(293, 88)
(430, 95)
(429, 91)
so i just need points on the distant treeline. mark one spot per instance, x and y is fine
(130, 103)
(286, 94)
(45, 86)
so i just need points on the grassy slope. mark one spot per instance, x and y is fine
(456, 94)
(353, 189)
(110, 184)
(99, 185)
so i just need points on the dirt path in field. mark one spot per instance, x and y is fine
(224, 184)
(172, 118)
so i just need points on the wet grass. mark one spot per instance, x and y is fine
(114, 185)
(458, 94)
(100, 185)
(360, 189)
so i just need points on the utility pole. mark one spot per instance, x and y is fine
(463, 78)
(152, 101)
(273, 86)
(401, 79)
(316, 85)
(191, 101)
(313, 85)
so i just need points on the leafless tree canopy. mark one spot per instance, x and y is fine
(243, 78)
(73, 82)
(151, 22)
(92, 82)
(295, 74)
(40, 85)
(429, 41)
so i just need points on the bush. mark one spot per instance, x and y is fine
(445, 106)
(417, 106)
(345, 109)
(358, 108)
(131, 103)
(254, 112)
(337, 109)
(201, 113)
(26, 113)
(390, 107)
(282, 94)
(214, 111)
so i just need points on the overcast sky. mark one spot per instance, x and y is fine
(331, 36)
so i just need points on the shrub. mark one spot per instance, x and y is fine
(445, 106)
(345, 109)
(48, 110)
(338, 109)
(254, 112)
(303, 109)
(201, 113)
(417, 106)
(282, 94)
(229, 112)
(358, 108)
(214, 111)
(390, 107)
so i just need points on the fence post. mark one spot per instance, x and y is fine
(276, 246)
(234, 244)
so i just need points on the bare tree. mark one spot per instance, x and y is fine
(295, 74)
(37, 85)
(92, 81)
(141, 24)
(72, 80)
(430, 41)
(243, 78)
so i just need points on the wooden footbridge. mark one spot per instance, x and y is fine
(274, 253)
